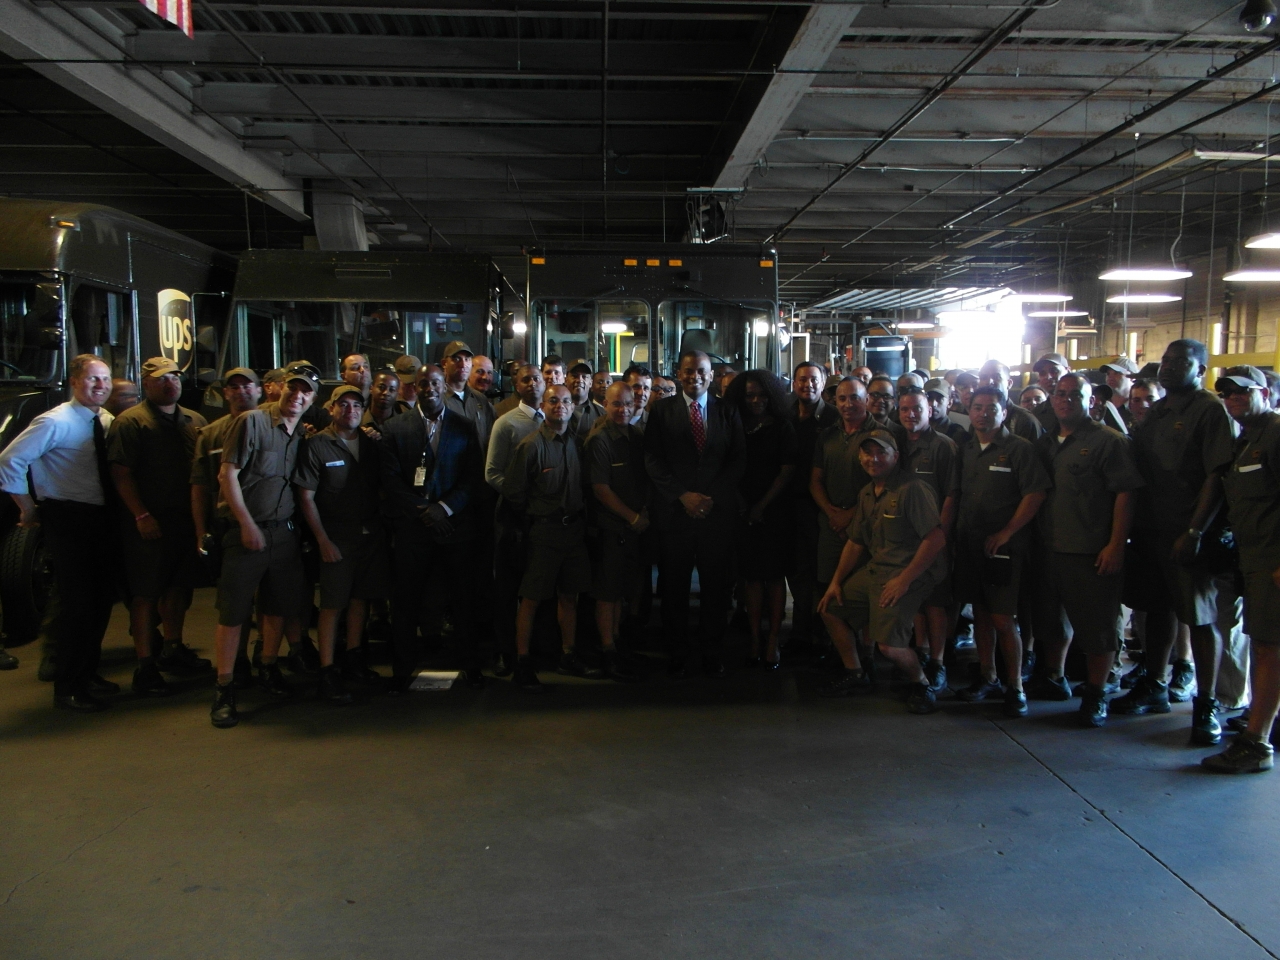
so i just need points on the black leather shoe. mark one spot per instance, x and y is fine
(1047, 688)
(1130, 679)
(526, 678)
(502, 665)
(272, 680)
(355, 668)
(48, 671)
(223, 714)
(7, 660)
(177, 657)
(1205, 729)
(242, 674)
(1015, 703)
(571, 665)
(147, 682)
(1239, 724)
(617, 669)
(80, 702)
(846, 685)
(921, 699)
(1093, 706)
(100, 684)
(398, 685)
(331, 687)
(473, 677)
(980, 689)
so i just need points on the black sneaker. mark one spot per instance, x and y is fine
(921, 699)
(526, 678)
(1239, 724)
(1205, 729)
(354, 668)
(845, 685)
(331, 687)
(980, 689)
(7, 660)
(1093, 706)
(1147, 696)
(177, 657)
(1028, 664)
(935, 673)
(224, 714)
(147, 681)
(1247, 754)
(1047, 688)
(272, 680)
(571, 665)
(1131, 678)
(1015, 703)
(242, 673)
(1182, 684)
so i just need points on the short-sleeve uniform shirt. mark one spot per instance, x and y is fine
(934, 460)
(1088, 469)
(345, 483)
(545, 474)
(891, 525)
(615, 457)
(836, 454)
(1252, 489)
(158, 448)
(1184, 438)
(266, 454)
(992, 484)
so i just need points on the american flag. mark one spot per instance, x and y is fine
(177, 12)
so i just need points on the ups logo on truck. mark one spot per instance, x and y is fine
(177, 335)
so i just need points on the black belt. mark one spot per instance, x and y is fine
(564, 518)
(273, 524)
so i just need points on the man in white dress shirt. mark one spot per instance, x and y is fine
(65, 450)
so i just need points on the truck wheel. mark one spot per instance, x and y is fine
(25, 581)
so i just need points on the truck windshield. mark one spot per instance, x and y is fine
(30, 325)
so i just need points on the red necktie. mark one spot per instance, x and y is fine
(697, 425)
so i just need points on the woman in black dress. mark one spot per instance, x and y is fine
(765, 538)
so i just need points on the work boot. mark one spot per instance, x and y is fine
(1182, 684)
(526, 678)
(616, 669)
(7, 660)
(1147, 696)
(177, 657)
(224, 714)
(921, 699)
(1015, 703)
(1248, 753)
(147, 681)
(331, 687)
(571, 665)
(304, 658)
(1205, 729)
(935, 673)
(272, 680)
(846, 685)
(1128, 681)
(1093, 706)
(354, 668)
(980, 689)
(1045, 687)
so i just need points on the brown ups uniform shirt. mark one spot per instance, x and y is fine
(266, 454)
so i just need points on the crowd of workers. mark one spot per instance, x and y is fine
(887, 505)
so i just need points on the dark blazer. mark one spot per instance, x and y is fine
(673, 461)
(453, 472)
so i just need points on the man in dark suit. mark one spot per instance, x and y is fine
(430, 472)
(695, 452)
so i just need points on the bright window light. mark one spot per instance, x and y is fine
(613, 327)
(520, 327)
(975, 336)
(761, 328)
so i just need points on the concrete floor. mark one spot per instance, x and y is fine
(740, 818)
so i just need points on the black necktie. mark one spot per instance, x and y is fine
(100, 449)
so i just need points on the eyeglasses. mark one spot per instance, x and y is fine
(880, 395)
(1236, 392)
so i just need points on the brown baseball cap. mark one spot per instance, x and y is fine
(455, 347)
(939, 386)
(407, 367)
(159, 366)
(245, 372)
(273, 376)
(882, 437)
(344, 390)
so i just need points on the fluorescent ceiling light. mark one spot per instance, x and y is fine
(1042, 297)
(1058, 313)
(1233, 155)
(1254, 275)
(1145, 273)
(913, 325)
(1143, 298)
(613, 328)
(1264, 241)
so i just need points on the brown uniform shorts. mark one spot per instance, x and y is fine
(558, 563)
(363, 573)
(616, 565)
(1262, 608)
(154, 567)
(274, 573)
(889, 626)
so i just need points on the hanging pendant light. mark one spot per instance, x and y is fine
(1058, 313)
(1144, 298)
